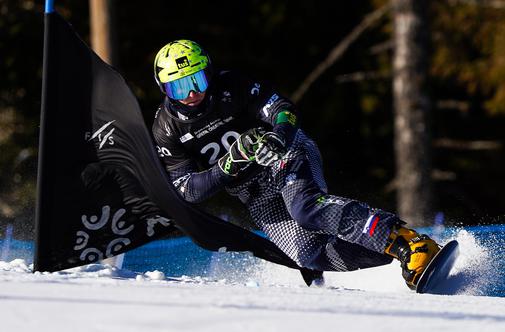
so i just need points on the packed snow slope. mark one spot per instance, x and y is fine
(263, 297)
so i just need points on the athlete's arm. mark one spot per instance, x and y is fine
(196, 187)
(192, 185)
(272, 108)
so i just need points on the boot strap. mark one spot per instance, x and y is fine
(418, 238)
(420, 249)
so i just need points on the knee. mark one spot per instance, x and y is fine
(304, 211)
(356, 210)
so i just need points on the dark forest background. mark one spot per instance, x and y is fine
(348, 110)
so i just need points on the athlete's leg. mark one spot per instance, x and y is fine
(304, 191)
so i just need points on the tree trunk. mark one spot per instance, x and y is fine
(412, 108)
(103, 39)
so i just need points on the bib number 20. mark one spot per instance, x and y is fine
(227, 140)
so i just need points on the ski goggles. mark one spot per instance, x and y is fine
(180, 88)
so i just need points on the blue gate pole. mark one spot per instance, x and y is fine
(438, 225)
(7, 243)
(49, 6)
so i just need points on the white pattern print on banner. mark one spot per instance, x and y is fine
(93, 223)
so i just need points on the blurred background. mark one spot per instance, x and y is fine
(406, 98)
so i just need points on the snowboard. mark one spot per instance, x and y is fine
(438, 269)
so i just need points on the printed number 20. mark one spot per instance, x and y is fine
(216, 148)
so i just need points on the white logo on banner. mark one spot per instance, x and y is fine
(100, 134)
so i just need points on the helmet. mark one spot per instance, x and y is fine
(182, 66)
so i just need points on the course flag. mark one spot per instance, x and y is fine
(101, 187)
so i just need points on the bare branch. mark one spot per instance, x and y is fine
(448, 143)
(496, 4)
(460, 105)
(362, 76)
(382, 47)
(436, 175)
(339, 50)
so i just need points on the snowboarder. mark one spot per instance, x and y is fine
(222, 130)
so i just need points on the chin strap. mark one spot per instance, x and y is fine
(185, 112)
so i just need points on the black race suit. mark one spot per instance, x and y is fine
(288, 201)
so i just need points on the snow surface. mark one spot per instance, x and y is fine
(260, 299)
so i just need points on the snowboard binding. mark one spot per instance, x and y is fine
(414, 251)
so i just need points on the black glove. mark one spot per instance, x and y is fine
(241, 152)
(271, 148)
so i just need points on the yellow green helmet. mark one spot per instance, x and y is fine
(181, 59)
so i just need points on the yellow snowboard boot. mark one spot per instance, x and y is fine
(414, 251)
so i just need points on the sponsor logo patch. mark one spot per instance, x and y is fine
(163, 151)
(329, 199)
(182, 62)
(290, 178)
(210, 127)
(269, 103)
(226, 97)
(180, 183)
(256, 89)
(186, 138)
(168, 132)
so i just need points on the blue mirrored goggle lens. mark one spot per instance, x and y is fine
(179, 89)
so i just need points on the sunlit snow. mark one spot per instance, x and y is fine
(263, 297)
